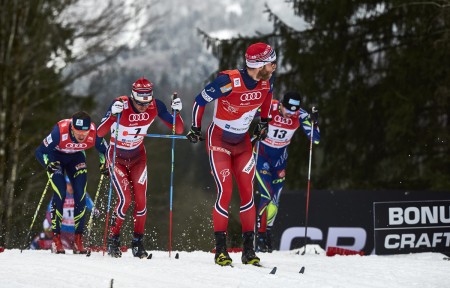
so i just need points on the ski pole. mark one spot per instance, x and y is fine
(89, 226)
(255, 155)
(125, 133)
(253, 140)
(35, 214)
(174, 96)
(110, 182)
(309, 185)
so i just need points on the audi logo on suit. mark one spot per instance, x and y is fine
(75, 145)
(138, 117)
(280, 119)
(256, 95)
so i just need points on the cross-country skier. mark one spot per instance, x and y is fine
(286, 117)
(137, 113)
(67, 222)
(62, 151)
(237, 94)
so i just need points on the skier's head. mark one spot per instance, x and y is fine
(142, 92)
(260, 59)
(259, 54)
(291, 102)
(81, 123)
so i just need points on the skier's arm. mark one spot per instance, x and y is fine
(44, 153)
(107, 121)
(220, 87)
(305, 123)
(265, 107)
(167, 118)
(101, 146)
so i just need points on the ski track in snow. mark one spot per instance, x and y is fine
(33, 268)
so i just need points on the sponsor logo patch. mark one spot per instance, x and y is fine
(138, 117)
(48, 140)
(143, 176)
(76, 145)
(225, 173)
(249, 166)
(80, 166)
(237, 82)
(256, 95)
(225, 88)
(206, 96)
(219, 149)
(118, 171)
(125, 183)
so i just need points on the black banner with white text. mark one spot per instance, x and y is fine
(375, 222)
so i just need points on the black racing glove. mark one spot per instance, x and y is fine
(315, 115)
(52, 167)
(104, 169)
(195, 134)
(261, 129)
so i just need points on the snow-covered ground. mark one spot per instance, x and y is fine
(33, 268)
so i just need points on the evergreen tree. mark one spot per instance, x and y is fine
(38, 65)
(379, 73)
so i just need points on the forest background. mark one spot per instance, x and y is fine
(377, 70)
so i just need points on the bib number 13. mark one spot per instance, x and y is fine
(279, 133)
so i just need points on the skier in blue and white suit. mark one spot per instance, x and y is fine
(287, 117)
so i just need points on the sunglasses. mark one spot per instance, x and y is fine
(287, 111)
(143, 104)
(274, 62)
(290, 112)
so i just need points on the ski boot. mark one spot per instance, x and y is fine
(138, 247)
(221, 258)
(114, 246)
(57, 246)
(261, 242)
(264, 242)
(78, 247)
(248, 254)
(269, 241)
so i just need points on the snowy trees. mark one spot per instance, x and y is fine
(379, 72)
(45, 46)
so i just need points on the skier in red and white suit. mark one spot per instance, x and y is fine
(238, 94)
(138, 112)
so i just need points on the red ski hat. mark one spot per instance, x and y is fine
(259, 54)
(142, 90)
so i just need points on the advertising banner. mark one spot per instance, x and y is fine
(347, 219)
(412, 226)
